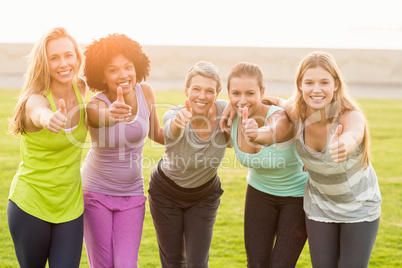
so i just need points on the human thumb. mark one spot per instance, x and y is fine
(245, 113)
(188, 106)
(62, 106)
(338, 132)
(120, 95)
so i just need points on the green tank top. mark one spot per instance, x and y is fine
(47, 184)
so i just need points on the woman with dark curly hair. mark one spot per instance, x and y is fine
(119, 117)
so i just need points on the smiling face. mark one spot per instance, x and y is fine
(317, 86)
(202, 94)
(245, 92)
(62, 60)
(120, 72)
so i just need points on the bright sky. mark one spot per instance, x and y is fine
(283, 23)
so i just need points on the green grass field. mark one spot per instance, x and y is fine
(227, 250)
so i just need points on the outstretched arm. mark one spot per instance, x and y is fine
(39, 115)
(278, 128)
(99, 114)
(155, 129)
(285, 104)
(225, 122)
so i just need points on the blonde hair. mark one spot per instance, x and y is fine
(37, 76)
(341, 101)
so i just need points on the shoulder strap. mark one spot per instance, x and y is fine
(272, 110)
(102, 97)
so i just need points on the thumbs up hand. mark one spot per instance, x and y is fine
(58, 119)
(188, 105)
(62, 107)
(250, 126)
(120, 97)
(245, 113)
(337, 147)
(119, 110)
(183, 117)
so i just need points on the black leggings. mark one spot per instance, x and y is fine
(184, 220)
(268, 217)
(341, 244)
(36, 240)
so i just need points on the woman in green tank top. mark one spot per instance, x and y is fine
(45, 202)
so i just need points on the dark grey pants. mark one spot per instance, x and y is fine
(184, 219)
(37, 241)
(341, 244)
(274, 229)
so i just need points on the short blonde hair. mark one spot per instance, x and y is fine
(206, 69)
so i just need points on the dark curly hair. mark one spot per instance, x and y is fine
(101, 52)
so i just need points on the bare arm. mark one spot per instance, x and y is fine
(39, 114)
(229, 113)
(226, 119)
(287, 105)
(155, 129)
(278, 128)
(99, 114)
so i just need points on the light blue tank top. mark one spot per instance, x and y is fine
(272, 170)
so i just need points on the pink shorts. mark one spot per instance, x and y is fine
(112, 229)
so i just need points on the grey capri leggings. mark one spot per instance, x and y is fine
(184, 219)
(341, 244)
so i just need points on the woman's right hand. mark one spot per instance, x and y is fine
(249, 125)
(183, 117)
(119, 110)
(58, 119)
